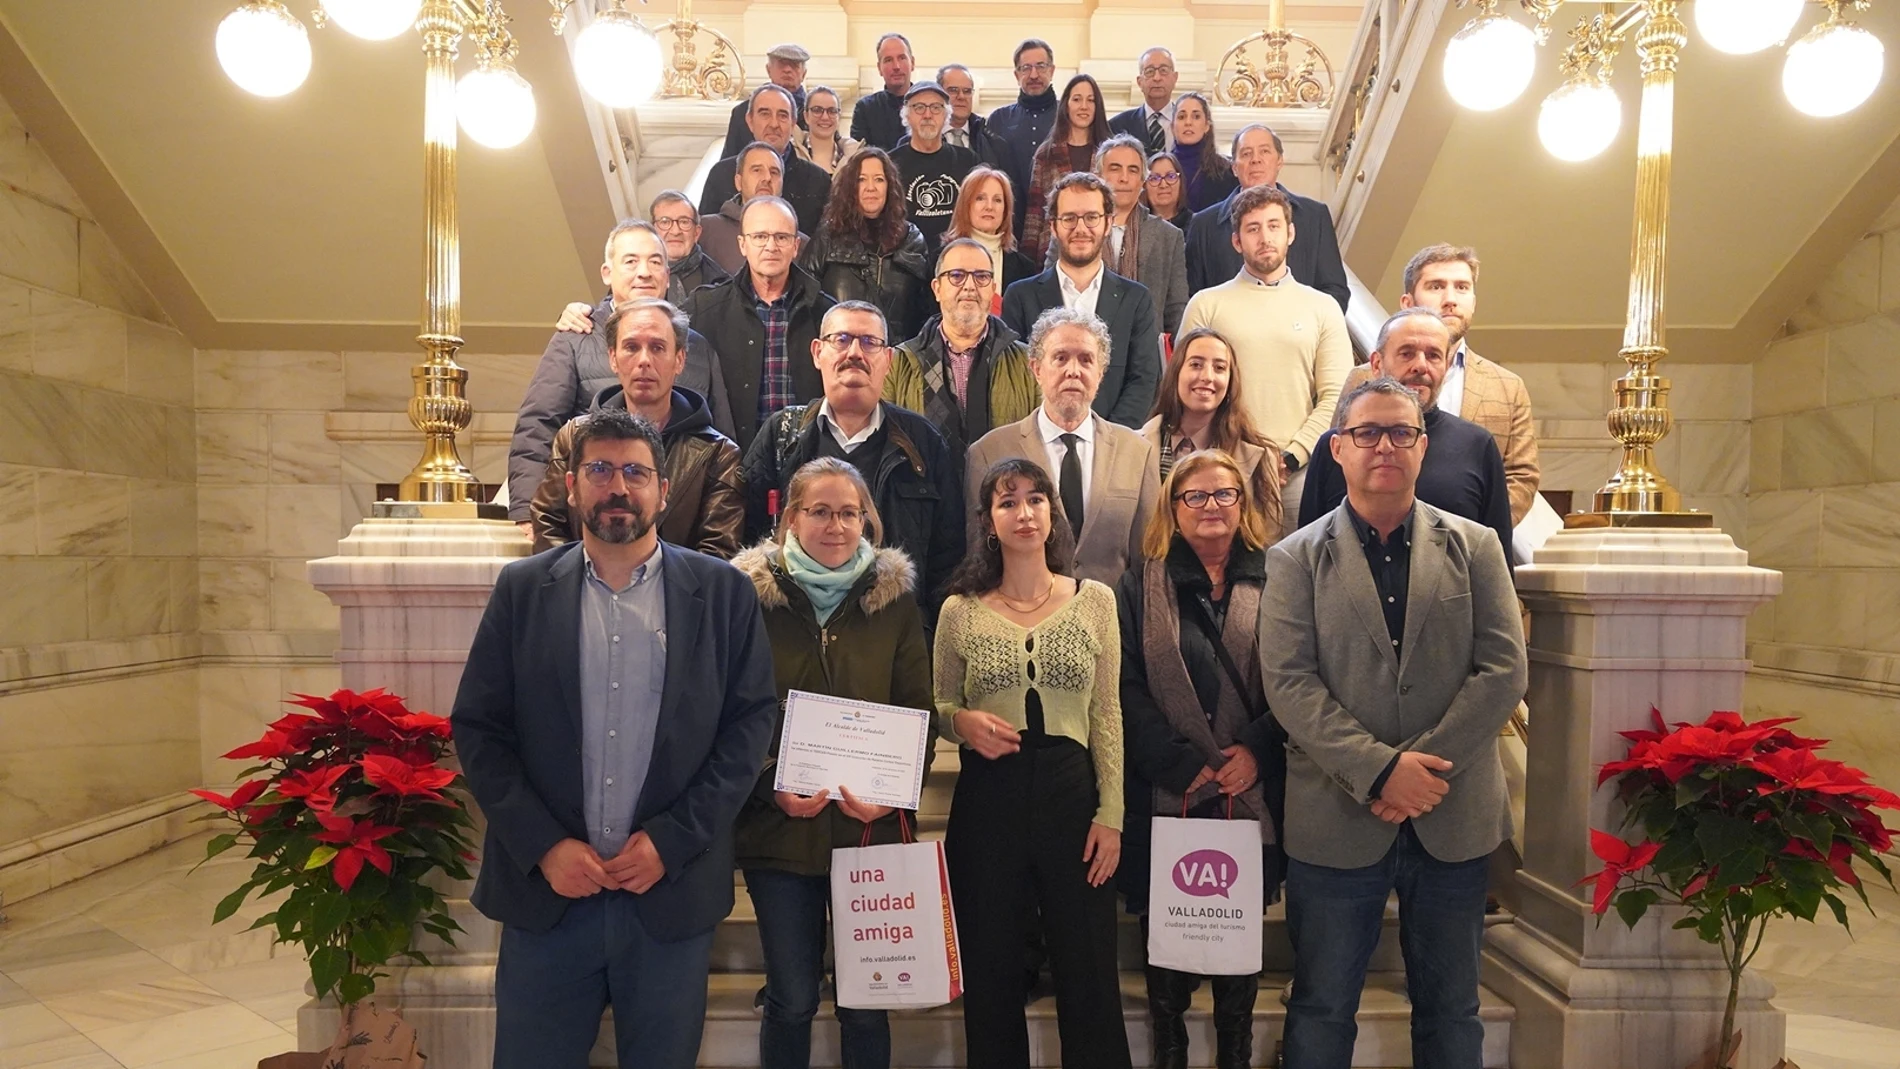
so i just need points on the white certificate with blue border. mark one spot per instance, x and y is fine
(876, 750)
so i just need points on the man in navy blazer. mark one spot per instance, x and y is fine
(1313, 258)
(614, 713)
(1081, 207)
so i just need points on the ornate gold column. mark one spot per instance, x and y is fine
(440, 408)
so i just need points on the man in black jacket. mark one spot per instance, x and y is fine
(1081, 207)
(615, 709)
(968, 129)
(806, 185)
(912, 476)
(1025, 124)
(763, 320)
(687, 265)
(877, 118)
(784, 66)
(1151, 122)
(1213, 258)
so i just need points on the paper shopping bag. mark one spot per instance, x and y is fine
(894, 936)
(1206, 896)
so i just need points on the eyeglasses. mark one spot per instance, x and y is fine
(1225, 497)
(926, 109)
(960, 277)
(601, 473)
(813, 109)
(681, 225)
(1401, 435)
(1156, 72)
(1034, 68)
(763, 240)
(822, 516)
(1164, 179)
(866, 343)
(1071, 220)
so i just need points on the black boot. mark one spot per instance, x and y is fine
(1233, 1020)
(1169, 994)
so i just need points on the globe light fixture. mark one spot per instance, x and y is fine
(1740, 27)
(1833, 70)
(263, 48)
(617, 60)
(1489, 62)
(374, 20)
(495, 105)
(1579, 120)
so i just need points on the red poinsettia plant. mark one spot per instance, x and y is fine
(352, 812)
(1738, 823)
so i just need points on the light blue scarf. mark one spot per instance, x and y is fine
(826, 587)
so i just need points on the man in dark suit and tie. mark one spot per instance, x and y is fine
(1082, 206)
(1313, 258)
(1151, 122)
(615, 710)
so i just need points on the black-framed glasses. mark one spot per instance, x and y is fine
(931, 108)
(960, 277)
(819, 109)
(1156, 72)
(1401, 435)
(602, 472)
(843, 340)
(1070, 220)
(680, 225)
(822, 515)
(1225, 497)
(1164, 179)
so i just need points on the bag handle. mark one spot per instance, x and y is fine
(1230, 807)
(1206, 623)
(907, 836)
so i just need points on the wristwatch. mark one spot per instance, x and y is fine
(1292, 462)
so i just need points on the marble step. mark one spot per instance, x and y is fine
(934, 1038)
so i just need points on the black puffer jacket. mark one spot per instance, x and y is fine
(896, 282)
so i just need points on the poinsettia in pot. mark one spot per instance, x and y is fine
(1739, 823)
(352, 812)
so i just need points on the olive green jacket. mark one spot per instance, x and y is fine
(871, 649)
(1012, 393)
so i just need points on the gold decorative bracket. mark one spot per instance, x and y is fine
(1275, 68)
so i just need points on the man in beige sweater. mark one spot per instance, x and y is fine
(1290, 337)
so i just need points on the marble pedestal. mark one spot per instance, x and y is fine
(1621, 619)
(411, 593)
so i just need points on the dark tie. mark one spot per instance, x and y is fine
(1070, 485)
(1157, 138)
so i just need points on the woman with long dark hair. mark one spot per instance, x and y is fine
(1162, 192)
(1200, 739)
(1199, 406)
(865, 249)
(1206, 175)
(1028, 668)
(1081, 126)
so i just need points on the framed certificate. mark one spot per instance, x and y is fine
(876, 750)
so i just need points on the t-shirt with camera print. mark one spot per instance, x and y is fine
(931, 181)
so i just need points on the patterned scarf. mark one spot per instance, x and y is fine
(940, 400)
(1131, 246)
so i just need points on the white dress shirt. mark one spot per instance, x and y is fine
(848, 442)
(1451, 392)
(1081, 300)
(1084, 450)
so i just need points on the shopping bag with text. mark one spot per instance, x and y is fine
(1206, 897)
(894, 936)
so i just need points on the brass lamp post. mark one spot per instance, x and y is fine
(1487, 66)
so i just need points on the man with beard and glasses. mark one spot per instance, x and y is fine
(901, 456)
(705, 510)
(966, 371)
(598, 820)
(1463, 472)
(1290, 337)
(1082, 206)
(932, 168)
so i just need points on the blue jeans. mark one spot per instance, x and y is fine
(791, 911)
(552, 987)
(1335, 916)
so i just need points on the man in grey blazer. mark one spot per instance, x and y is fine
(1157, 257)
(1105, 474)
(1391, 652)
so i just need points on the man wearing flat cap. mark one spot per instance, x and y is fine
(932, 168)
(784, 66)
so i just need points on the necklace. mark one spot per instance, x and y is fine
(1040, 602)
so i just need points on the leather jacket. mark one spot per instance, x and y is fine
(895, 282)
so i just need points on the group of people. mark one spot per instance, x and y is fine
(947, 412)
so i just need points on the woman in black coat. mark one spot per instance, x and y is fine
(1197, 732)
(865, 249)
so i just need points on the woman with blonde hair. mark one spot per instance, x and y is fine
(1199, 405)
(986, 206)
(1028, 682)
(843, 620)
(1200, 739)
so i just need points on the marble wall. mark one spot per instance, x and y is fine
(1824, 503)
(98, 517)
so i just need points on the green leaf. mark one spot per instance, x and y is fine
(327, 966)
(219, 844)
(265, 921)
(1631, 905)
(1708, 927)
(327, 914)
(1691, 789)
(1838, 907)
(1723, 838)
(354, 987)
(320, 857)
(229, 903)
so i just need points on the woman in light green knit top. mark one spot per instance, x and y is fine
(1028, 669)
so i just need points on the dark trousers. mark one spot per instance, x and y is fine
(791, 911)
(552, 987)
(1335, 916)
(1018, 826)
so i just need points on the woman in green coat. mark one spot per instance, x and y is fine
(843, 618)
